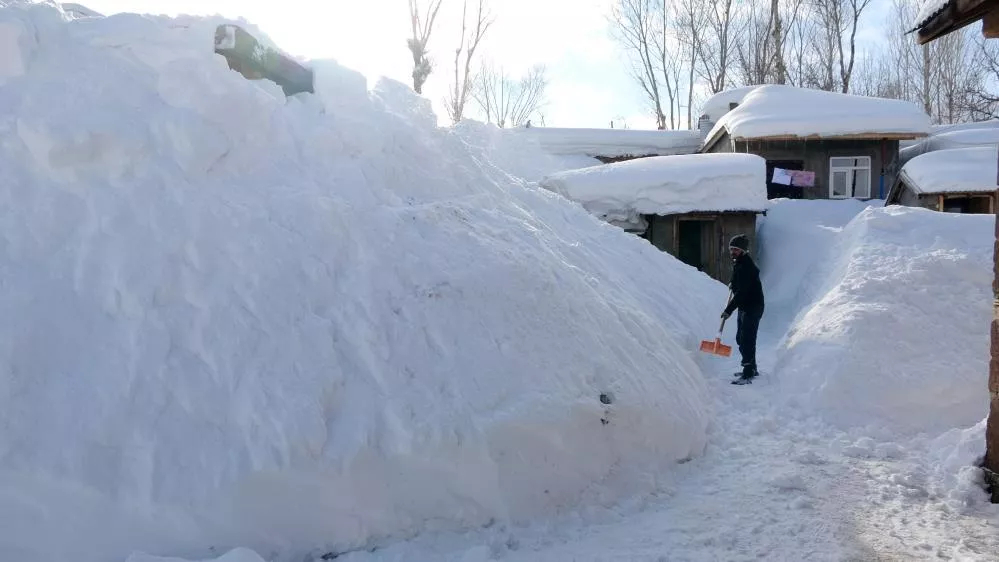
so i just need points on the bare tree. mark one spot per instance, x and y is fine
(634, 25)
(423, 25)
(856, 9)
(715, 48)
(691, 21)
(668, 62)
(458, 97)
(979, 102)
(507, 101)
(837, 41)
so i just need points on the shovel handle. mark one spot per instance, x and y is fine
(722, 328)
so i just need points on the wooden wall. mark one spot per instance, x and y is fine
(717, 230)
(815, 155)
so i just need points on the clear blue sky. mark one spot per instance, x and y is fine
(589, 80)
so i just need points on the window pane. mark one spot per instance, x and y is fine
(862, 187)
(850, 162)
(839, 184)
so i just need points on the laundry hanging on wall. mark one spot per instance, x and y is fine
(797, 178)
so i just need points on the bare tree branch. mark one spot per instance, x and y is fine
(458, 97)
(509, 102)
(634, 23)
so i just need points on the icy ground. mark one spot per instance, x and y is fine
(768, 488)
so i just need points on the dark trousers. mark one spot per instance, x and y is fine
(745, 337)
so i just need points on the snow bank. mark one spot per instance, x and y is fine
(787, 111)
(666, 185)
(514, 153)
(956, 476)
(613, 143)
(959, 170)
(898, 333)
(234, 555)
(235, 318)
(795, 238)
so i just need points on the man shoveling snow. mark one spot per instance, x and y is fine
(747, 297)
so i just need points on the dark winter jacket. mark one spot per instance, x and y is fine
(747, 291)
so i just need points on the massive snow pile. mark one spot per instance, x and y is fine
(795, 237)
(517, 154)
(957, 170)
(788, 111)
(239, 319)
(665, 185)
(895, 332)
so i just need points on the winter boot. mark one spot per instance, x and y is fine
(746, 376)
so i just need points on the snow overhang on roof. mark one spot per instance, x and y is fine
(613, 143)
(667, 185)
(777, 112)
(955, 170)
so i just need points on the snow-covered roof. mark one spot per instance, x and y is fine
(952, 127)
(957, 138)
(777, 111)
(957, 170)
(614, 143)
(928, 9)
(666, 185)
(718, 105)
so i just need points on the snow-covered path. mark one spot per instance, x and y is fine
(772, 485)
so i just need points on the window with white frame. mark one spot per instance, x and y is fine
(850, 176)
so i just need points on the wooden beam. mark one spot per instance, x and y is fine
(865, 136)
(990, 24)
(940, 203)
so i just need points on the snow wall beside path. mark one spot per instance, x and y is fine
(235, 319)
(892, 322)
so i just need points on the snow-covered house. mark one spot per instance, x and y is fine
(686, 205)
(612, 145)
(817, 144)
(958, 180)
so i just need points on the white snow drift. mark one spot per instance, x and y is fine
(235, 319)
(895, 332)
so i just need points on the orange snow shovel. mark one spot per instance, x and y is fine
(716, 346)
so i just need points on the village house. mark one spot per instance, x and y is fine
(817, 144)
(958, 180)
(687, 205)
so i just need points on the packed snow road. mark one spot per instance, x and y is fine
(771, 486)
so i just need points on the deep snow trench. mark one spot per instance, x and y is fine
(781, 481)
